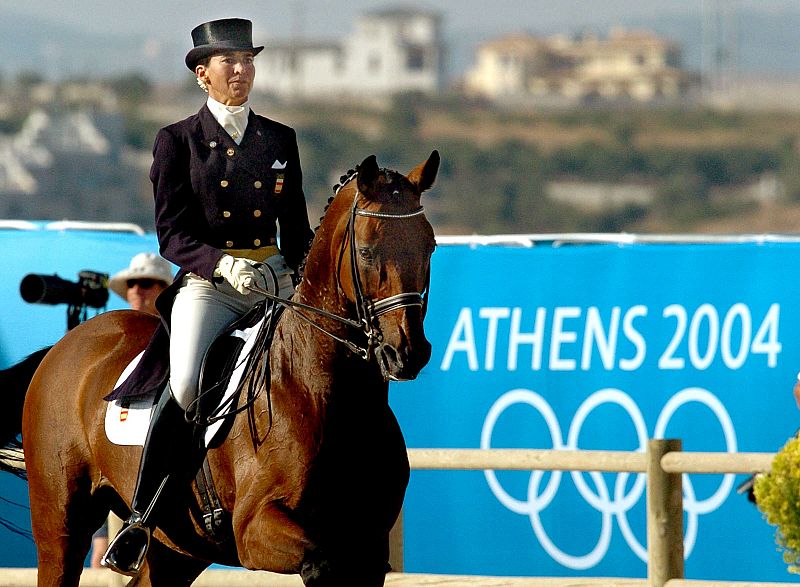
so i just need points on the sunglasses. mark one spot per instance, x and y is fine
(144, 283)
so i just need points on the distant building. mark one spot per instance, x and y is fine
(638, 66)
(390, 51)
(69, 164)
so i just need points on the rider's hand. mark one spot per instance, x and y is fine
(240, 273)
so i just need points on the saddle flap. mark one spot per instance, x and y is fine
(128, 418)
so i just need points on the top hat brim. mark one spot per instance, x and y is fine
(197, 54)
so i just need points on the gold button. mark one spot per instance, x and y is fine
(258, 185)
(230, 152)
(226, 214)
(224, 183)
(229, 244)
(257, 242)
(257, 213)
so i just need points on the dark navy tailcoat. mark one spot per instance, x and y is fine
(212, 194)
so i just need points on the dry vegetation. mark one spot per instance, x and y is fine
(497, 163)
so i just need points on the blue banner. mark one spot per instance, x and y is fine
(599, 346)
(589, 346)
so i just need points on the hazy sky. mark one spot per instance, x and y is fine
(60, 38)
(173, 19)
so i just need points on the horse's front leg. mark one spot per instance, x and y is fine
(273, 541)
(267, 538)
(360, 562)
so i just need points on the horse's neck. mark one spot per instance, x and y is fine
(312, 372)
(321, 290)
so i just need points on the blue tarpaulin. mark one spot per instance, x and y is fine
(595, 343)
(600, 346)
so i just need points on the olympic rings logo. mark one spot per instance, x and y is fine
(538, 498)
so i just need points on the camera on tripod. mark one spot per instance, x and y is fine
(90, 291)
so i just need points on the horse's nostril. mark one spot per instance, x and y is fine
(391, 355)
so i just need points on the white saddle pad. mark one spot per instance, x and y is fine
(127, 421)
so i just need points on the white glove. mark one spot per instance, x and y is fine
(240, 273)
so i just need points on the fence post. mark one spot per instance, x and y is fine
(664, 516)
(396, 545)
(114, 526)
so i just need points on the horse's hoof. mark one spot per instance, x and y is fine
(315, 569)
(125, 554)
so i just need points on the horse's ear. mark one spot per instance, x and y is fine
(367, 174)
(424, 174)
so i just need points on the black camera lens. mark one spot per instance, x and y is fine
(48, 289)
(51, 289)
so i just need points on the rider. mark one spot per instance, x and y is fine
(222, 178)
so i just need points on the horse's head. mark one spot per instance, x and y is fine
(382, 245)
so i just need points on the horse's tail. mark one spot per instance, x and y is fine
(14, 383)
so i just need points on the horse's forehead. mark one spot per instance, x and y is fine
(394, 181)
(401, 235)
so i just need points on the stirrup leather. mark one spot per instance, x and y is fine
(135, 535)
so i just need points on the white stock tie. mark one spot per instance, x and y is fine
(234, 121)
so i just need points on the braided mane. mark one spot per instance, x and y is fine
(342, 181)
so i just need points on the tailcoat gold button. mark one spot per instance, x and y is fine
(257, 213)
(230, 152)
(257, 242)
(224, 183)
(229, 244)
(226, 214)
(258, 185)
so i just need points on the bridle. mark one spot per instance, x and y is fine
(367, 309)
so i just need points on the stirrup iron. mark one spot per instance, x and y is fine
(134, 534)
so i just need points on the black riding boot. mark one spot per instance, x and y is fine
(167, 451)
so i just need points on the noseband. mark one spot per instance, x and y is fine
(368, 310)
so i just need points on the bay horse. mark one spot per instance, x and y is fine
(314, 474)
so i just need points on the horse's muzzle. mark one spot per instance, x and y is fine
(402, 364)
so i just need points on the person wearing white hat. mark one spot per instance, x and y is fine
(142, 281)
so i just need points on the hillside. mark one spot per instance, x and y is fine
(616, 169)
(704, 170)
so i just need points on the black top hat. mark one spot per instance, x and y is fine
(221, 36)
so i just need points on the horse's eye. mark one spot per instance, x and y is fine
(366, 255)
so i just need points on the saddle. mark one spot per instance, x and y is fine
(150, 374)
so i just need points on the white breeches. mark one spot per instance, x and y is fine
(201, 311)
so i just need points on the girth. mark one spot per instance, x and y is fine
(216, 521)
